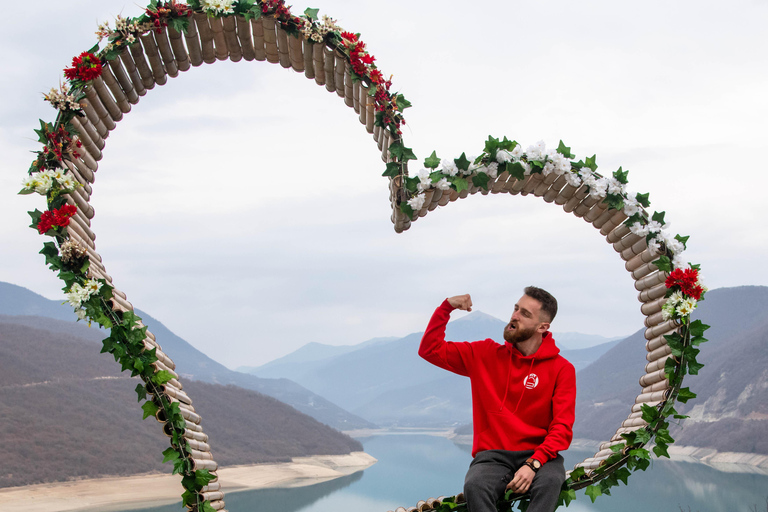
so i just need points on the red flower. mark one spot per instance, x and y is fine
(62, 215)
(687, 280)
(376, 76)
(46, 222)
(368, 59)
(85, 67)
(349, 36)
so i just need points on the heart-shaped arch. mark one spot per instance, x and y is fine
(172, 37)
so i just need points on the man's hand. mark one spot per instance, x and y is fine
(463, 302)
(522, 480)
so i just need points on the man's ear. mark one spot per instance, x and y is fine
(543, 327)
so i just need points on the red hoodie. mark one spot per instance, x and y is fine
(518, 402)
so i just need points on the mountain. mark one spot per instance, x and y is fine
(67, 412)
(387, 382)
(731, 410)
(190, 362)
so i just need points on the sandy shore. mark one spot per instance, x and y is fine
(113, 494)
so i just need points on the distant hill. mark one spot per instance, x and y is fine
(386, 382)
(66, 412)
(731, 410)
(190, 362)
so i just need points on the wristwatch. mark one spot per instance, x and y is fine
(534, 464)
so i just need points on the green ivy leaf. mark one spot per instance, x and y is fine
(577, 473)
(675, 346)
(623, 474)
(141, 391)
(661, 450)
(694, 367)
(149, 408)
(649, 413)
(203, 476)
(393, 169)
(591, 162)
(565, 150)
(401, 102)
(697, 328)
(432, 161)
(481, 180)
(685, 394)
(516, 170)
(400, 152)
(658, 217)
(180, 466)
(412, 184)
(566, 497)
(641, 436)
(462, 162)
(618, 447)
(170, 454)
(621, 176)
(643, 199)
(162, 377)
(680, 416)
(662, 436)
(593, 491)
(459, 182)
(664, 264)
(698, 340)
(311, 13)
(406, 209)
(207, 507)
(640, 453)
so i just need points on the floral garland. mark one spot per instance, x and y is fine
(90, 296)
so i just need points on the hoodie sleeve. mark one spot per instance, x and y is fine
(560, 431)
(451, 356)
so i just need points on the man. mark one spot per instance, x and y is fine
(523, 401)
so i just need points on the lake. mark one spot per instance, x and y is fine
(414, 467)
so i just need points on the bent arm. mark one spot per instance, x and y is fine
(454, 357)
(560, 432)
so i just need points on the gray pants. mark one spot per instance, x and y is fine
(491, 471)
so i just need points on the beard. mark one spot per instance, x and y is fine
(518, 335)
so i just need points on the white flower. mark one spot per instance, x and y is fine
(668, 310)
(416, 202)
(597, 188)
(503, 155)
(492, 169)
(471, 168)
(68, 183)
(449, 167)
(80, 312)
(526, 168)
(686, 306)
(654, 245)
(217, 6)
(517, 151)
(573, 179)
(537, 151)
(631, 206)
(443, 184)
(562, 164)
(615, 187)
(92, 286)
(77, 294)
(548, 169)
(638, 229)
(654, 226)
(43, 182)
(678, 261)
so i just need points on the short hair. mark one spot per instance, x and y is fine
(548, 302)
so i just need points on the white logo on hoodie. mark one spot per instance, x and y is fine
(531, 381)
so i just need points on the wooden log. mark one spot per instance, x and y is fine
(657, 364)
(654, 319)
(370, 115)
(596, 212)
(198, 445)
(189, 414)
(361, 98)
(634, 422)
(617, 234)
(177, 394)
(212, 496)
(387, 140)
(659, 386)
(639, 407)
(166, 53)
(83, 125)
(218, 505)
(650, 280)
(81, 202)
(83, 230)
(613, 223)
(180, 55)
(219, 43)
(659, 353)
(283, 50)
(638, 248)
(643, 270)
(213, 485)
(230, 38)
(270, 40)
(586, 206)
(206, 37)
(565, 194)
(133, 73)
(106, 100)
(604, 217)
(340, 69)
(153, 57)
(552, 191)
(652, 378)
(142, 65)
(662, 328)
(626, 242)
(318, 62)
(309, 67)
(194, 48)
(648, 256)
(246, 39)
(198, 464)
(348, 88)
(295, 45)
(197, 454)
(501, 181)
(124, 81)
(652, 294)
(330, 75)
(259, 51)
(653, 306)
(578, 196)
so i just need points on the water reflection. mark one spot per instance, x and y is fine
(416, 467)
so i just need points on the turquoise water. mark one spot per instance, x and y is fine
(417, 467)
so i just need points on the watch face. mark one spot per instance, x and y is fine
(536, 463)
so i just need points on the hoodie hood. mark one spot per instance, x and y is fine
(547, 350)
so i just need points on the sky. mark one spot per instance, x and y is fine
(243, 205)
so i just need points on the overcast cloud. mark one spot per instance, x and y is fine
(244, 207)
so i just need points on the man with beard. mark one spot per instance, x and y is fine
(523, 401)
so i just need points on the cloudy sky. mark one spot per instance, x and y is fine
(244, 207)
